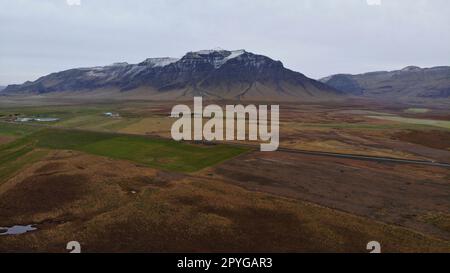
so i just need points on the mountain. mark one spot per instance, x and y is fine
(2, 87)
(410, 82)
(219, 73)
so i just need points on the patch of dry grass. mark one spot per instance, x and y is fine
(146, 210)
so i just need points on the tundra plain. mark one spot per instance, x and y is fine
(120, 184)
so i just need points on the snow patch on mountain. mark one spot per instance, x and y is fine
(233, 54)
(159, 62)
(220, 56)
(209, 51)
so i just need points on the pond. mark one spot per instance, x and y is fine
(37, 119)
(15, 230)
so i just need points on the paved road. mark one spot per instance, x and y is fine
(369, 158)
(355, 156)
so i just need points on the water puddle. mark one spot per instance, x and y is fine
(16, 230)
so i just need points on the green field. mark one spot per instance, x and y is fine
(159, 153)
(16, 130)
(417, 110)
(14, 156)
(426, 122)
(89, 117)
(402, 125)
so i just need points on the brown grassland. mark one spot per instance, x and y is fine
(252, 202)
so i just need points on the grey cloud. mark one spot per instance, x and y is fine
(315, 37)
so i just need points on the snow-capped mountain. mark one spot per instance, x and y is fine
(409, 82)
(213, 73)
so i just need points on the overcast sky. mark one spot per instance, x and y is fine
(315, 37)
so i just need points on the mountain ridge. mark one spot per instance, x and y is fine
(217, 73)
(409, 82)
